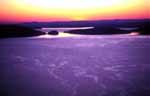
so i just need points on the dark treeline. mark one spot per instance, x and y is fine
(15, 30)
(144, 29)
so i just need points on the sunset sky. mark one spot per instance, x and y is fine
(66, 10)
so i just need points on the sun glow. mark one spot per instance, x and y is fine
(72, 4)
(43, 10)
(67, 5)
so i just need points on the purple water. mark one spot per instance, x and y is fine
(75, 66)
(62, 29)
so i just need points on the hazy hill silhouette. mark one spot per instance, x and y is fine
(100, 26)
(97, 23)
(14, 30)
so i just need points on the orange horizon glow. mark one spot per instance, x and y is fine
(72, 10)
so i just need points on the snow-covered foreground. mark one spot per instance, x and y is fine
(75, 66)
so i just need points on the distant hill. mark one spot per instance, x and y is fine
(14, 30)
(101, 26)
(114, 23)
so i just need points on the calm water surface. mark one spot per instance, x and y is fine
(116, 65)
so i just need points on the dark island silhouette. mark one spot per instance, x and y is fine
(15, 30)
(53, 32)
(107, 30)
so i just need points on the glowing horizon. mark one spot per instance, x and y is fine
(66, 10)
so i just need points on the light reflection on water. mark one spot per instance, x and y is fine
(132, 35)
(62, 29)
(61, 34)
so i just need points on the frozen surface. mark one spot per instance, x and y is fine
(75, 66)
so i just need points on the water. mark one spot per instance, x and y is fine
(60, 35)
(63, 29)
(129, 28)
(112, 65)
